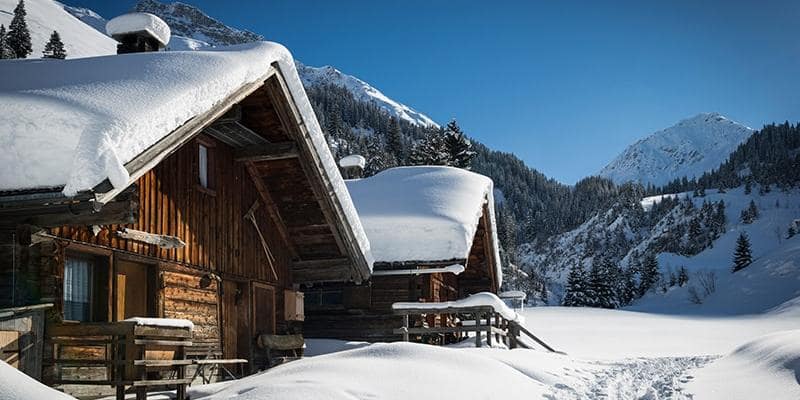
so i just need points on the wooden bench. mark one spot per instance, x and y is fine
(282, 344)
(208, 353)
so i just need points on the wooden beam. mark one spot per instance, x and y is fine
(318, 264)
(162, 241)
(272, 209)
(268, 152)
(291, 118)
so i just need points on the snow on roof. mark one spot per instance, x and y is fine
(164, 322)
(74, 123)
(476, 300)
(425, 213)
(353, 160)
(139, 22)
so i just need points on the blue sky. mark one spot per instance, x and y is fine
(565, 85)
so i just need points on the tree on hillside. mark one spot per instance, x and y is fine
(791, 232)
(742, 256)
(575, 294)
(683, 276)
(54, 47)
(458, 147)
(19, 37)
(6, 52)
(394, 142)
(602, 280)
(750, 213)
(430, 150)
(649, 275)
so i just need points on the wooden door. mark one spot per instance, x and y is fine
(263, 309)
(236, 336)
(135, 290)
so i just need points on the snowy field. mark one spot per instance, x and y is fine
(612, 354)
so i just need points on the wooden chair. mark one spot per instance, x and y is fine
(278, 348)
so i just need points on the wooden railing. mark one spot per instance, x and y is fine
(484, 321)
(128, 354)
(22, 337)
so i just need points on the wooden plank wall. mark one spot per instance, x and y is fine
(218, 238)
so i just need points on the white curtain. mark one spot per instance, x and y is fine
(77, 289)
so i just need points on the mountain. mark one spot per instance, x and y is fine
(190, 22)
(362, 91)
(45, 16)
(689, 148)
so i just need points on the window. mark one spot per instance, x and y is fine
(78, 273)
(203, 163)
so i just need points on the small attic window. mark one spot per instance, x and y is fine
(205, 166)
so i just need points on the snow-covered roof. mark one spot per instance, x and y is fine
(424, 213)
(481, 299)
(139, 22)
(353, 160)
(71, 124)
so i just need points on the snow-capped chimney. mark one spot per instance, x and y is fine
(352, 166)
(138, 32)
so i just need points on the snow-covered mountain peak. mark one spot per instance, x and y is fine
(191, 22)
(362, 91)
(689, 148)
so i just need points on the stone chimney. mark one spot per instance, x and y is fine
(352, 166)
(138, 32)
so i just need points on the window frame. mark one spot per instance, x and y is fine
(210, 166)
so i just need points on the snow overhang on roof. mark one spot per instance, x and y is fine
(136, 22)
(71, 126)
(425, 213)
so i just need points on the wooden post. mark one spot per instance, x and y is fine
(477, 329)
(489, 329)
(513, 335)
(405, 327)
(181, 391)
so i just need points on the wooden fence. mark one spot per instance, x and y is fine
(484, 321)
(127, 354)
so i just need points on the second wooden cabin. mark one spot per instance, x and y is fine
(432, 233)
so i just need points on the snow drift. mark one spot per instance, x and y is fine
(765, 368)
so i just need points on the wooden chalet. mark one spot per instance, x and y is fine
(222, 221)
(433, 236)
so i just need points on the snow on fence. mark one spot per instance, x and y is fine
(480, 313)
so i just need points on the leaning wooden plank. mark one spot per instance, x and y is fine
(162, 241)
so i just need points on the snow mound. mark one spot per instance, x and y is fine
(353, 160)
(15, 385)
(139, 22)
(475, 300)
(422, 213)
(45, 16)
(765, 368)
(390, 371)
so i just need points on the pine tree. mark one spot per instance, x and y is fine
(743, 256)
(6, 52)
(791, 232)
(458, 147)
(575, 294)
(748, 187)
(19, 37)
(430, 150)
(602, 280)
(683, 276)
(627, 288)
(54, 47)
(394, 142)
(649, 275)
